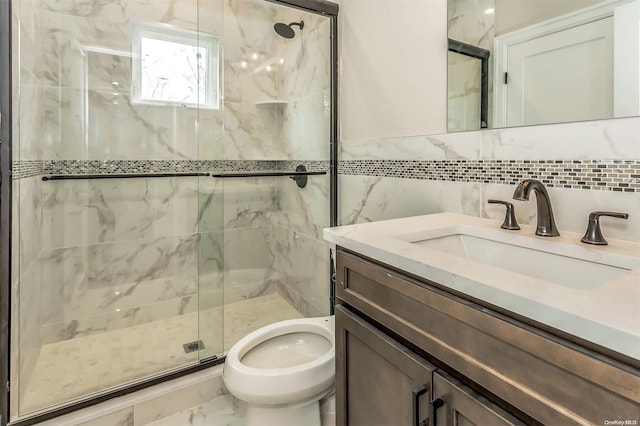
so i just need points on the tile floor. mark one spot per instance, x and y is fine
(221, 411)
(228, 411)
(74, 368)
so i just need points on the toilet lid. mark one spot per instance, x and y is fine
(287, 350)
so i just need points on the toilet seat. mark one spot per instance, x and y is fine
(287, 350)
(288, 385)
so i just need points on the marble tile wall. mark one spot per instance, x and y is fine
(302, 259)
(89, 113)
(251, 131)
(370, 198)
(249, 243)
(306, 84)
(105, 287)
(259, 214)
(467, 21)
(95, 225)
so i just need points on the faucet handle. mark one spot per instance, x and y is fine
(510, 221)
(594, 234)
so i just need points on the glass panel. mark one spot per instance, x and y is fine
(122, 279)
(276, 116)
(108, 274)
(210, 194)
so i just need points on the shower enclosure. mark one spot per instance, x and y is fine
(173, 166)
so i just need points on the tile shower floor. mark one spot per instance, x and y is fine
(72, 368)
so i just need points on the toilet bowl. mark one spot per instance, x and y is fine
(283, 370)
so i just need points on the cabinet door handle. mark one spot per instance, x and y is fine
(417, 393)
(437, 403)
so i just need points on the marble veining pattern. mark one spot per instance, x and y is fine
(221, 411)
(230, 411)
(304, 210)
(374, 198)
(303, 267)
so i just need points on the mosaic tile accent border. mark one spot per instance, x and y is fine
(25, 169)
(609, 175)
(28, 168)
(311, 165)
(81, 167)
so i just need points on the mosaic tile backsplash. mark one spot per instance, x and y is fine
(612, 175)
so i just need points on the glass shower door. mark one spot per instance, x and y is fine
(277, 110)
(119, 108)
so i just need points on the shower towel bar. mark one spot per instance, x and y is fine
(264, 174)
(121, 176)
(299, 175)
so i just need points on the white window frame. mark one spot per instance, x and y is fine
(176, 35)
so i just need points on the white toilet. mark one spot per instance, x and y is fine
(282, 371)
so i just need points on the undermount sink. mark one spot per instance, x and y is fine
(523, 255)
(591, 292)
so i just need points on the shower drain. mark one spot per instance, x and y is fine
(193, 346)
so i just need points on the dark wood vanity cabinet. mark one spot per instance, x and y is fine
(409, 352)
(454, 404)
(381, 381)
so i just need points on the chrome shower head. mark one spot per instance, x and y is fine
(285, 30)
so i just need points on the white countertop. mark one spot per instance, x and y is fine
(607, 314)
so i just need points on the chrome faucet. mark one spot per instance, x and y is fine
(546, 223)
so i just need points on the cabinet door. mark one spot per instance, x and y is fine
(379, 382)
(456, 405)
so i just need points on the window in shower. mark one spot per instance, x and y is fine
(174, 67)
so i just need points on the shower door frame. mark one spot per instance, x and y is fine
(319, 7)
(330, 10)
(5, 203)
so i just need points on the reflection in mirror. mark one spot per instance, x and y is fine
(551, 61)
(468, 92)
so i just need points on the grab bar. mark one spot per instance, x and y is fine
(264, 174)
(121, 176)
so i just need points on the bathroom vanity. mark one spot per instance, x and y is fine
(430, 330)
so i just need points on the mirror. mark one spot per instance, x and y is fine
(526, 62)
